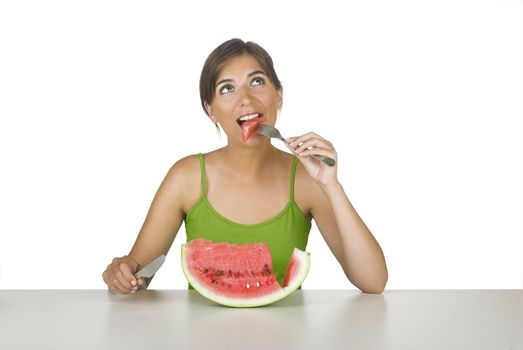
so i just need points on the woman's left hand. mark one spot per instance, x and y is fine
(306, 145)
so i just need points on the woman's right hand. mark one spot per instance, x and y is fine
(120, 276)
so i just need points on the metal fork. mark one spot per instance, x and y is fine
(271, 131)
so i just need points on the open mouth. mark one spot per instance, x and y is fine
(249, 118)
(249, 124)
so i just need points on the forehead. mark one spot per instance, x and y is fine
(239, 67)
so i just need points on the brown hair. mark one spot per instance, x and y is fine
(217, 58)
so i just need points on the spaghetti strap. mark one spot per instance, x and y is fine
(204, 179)
(293, 175)
(283, 232)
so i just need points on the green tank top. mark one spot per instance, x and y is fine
(288, 229)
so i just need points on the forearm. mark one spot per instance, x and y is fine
(363, 261)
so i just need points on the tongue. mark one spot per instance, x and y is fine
(249, 128)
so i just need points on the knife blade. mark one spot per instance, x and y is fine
(150, 269)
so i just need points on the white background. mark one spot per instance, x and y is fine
(422, 100)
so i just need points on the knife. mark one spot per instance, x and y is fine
(151, 268)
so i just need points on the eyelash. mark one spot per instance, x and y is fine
(262, 82)
(259, 78)
(225, 87)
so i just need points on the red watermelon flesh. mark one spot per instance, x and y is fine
(240, 275)
(249, 127)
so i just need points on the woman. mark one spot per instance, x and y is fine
(250, 191)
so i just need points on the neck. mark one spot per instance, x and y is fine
(249, 161)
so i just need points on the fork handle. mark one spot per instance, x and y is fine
(327, 160)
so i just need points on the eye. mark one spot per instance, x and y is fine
(258, 81)
(226, 89)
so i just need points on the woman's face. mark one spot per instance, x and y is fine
(243, 90)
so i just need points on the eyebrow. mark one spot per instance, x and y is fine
(248, 76)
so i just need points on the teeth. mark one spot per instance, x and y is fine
(249, 117)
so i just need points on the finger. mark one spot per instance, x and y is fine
(128, 273)
(318, 151)
(292, 149)
(304, 138)
(295, 141)
(121, 288)
(118, 275)
(322, 139)
(140, 284)
(118, 288)
(123, 281)
(290, 139)
(105, 277)
(311, 143)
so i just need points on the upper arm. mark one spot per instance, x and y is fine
(166, 212)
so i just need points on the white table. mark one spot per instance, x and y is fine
(308, 319)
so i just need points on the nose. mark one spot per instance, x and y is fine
(245, 97)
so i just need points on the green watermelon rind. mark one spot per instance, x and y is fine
(294, 284)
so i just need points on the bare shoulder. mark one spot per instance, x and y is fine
(183, 180)
(185, 167)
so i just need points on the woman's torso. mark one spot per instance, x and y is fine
(240, 210)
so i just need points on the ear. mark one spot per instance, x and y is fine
(209, 110)
(279, 101)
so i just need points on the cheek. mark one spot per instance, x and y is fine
(273, 102)
(268, 100)
(223, 104)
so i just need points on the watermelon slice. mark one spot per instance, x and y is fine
(240, 275)
(249, 127)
